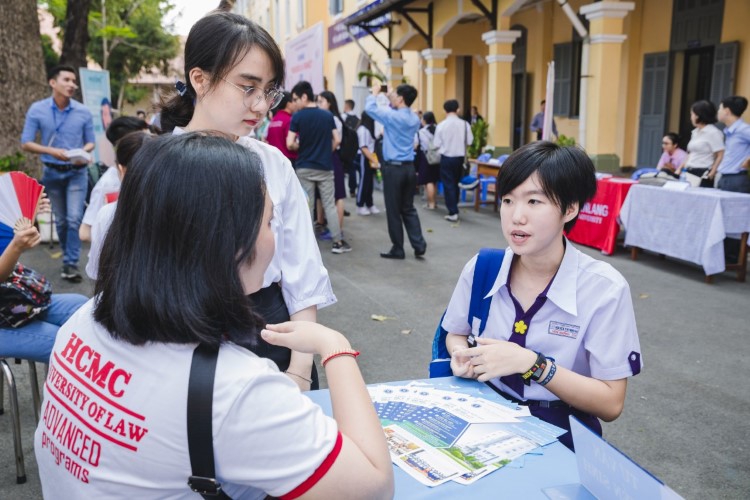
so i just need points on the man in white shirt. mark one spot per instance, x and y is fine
(452, 136)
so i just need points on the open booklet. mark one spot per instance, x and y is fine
(78, 155)
(436, 435)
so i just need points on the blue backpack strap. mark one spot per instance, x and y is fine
(486, 270)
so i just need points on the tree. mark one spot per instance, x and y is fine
(124, 37)
(22, 76)
(76, 36)
(128, 37)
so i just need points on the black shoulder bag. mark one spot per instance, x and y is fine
(200, 424)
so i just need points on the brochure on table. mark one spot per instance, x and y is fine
(438, 435)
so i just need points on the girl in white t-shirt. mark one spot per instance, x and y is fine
(191, 239)
(233, 75)
(706, 146)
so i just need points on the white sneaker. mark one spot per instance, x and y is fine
(451, 218)
(363, 211)
(374, 210)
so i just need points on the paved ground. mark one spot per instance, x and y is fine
(686, 415)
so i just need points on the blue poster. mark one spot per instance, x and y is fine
(96, 96)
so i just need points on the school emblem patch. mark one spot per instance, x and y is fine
(563, 329)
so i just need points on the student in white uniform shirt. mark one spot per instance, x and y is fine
(561, 334)
(233, 76)
(706, 146)
(109, 184)
(127, 147)
(452, 135)
(114, 419)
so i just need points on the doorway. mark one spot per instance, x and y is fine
(696, 86)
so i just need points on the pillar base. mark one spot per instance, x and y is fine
(609, 163)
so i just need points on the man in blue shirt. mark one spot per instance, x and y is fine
(64, 125)
(734, 164)
(400, 126)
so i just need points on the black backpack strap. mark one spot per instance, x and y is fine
(199, 424)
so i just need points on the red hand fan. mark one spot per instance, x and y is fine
(19, 198)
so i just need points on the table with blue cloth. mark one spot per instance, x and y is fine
(556, 466)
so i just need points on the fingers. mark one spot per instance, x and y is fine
(285, 327)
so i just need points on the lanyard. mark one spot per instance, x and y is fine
(55, 111)
(520, 329)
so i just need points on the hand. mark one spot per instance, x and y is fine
(303, 385)
(26, 238)
(305, 336)
(59, 154)
(498, 358)
(710, 175)
(375, 89)
(461, 365)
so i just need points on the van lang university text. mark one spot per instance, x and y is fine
(594, 212)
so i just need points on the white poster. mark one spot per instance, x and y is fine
(96, 96)
(304, 58)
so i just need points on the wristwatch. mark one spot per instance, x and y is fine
(537, 369)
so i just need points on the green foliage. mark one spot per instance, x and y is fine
(371, 74)
(12, 162)
(135, 94)
(51, 58)
(563, 140)
(135, 37)
(479, 131)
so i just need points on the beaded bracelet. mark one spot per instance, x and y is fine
(552, 370)
(309, 381)
(336, 354)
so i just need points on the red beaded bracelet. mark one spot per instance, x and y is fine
(336, 354)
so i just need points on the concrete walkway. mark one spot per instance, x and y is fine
(686, 414)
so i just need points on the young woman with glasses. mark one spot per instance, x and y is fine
(233, 76)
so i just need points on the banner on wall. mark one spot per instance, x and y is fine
(304, 58)
(338, 35)
(96, 96)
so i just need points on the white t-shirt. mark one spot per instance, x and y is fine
(114, 421)
(99, 230)
(296, 263)
(704, 143)
(587, 323)
(452, 135)
(107, 184)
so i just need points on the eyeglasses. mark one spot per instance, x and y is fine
(272, 96)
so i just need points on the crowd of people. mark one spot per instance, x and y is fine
(204, 237)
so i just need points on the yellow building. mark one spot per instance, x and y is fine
(623, 78)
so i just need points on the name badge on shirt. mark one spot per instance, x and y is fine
(563, 329)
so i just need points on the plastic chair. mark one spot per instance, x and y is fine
(14, 412)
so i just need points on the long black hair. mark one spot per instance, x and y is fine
(566, 174)
(215, 44)
(334, 104)
(189, 214)
(367, 122)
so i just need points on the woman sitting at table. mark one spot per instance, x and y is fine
(706, 146)
(190, 240)
(673, 156)
(560, 337)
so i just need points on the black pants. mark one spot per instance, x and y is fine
(451, 169)
(399, 184)
(269, 303)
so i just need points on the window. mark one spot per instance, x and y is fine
(335, 6)
(567, 78)
(300, 14)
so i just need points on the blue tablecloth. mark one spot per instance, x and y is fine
(557, 466)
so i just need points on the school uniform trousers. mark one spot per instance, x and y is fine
(399, 184)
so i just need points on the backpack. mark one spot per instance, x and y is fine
(349, 141)
(433, 152)
(485, 273)
(23, 295)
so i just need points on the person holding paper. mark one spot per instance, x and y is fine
(560, 337)
(65, 125)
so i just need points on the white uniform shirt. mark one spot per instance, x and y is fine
(99, 230)
(452, 135)
(704, 143)
(114, 423)
(365, 139)
(587, 323)
(108, 183)
(296, 264)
